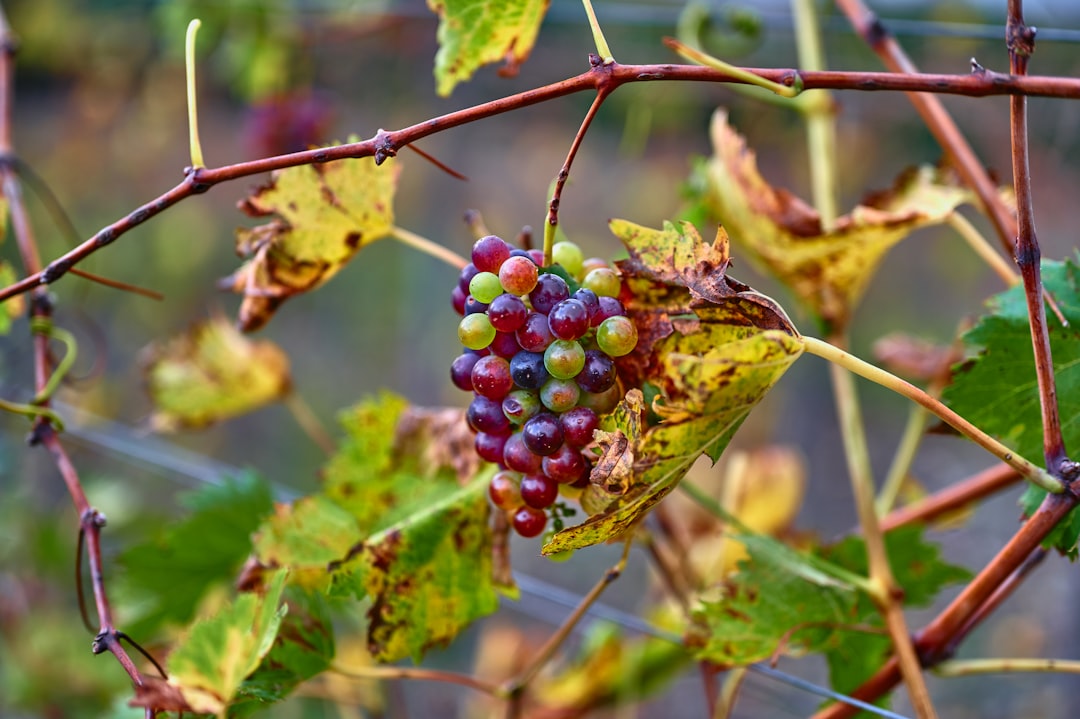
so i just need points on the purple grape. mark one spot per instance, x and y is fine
(490, 446)
(507, 313)
(589, 299)
(486, 415)
(598, 373)
(538, 491)
(488, 253)
(505, 345)
(467, 273)
(491, 377)
(518, 457)
(542, 434)
(527, 370)
(578, 425)
(529, 521)
(461, 370)
(565, 466)
(535, 335)
(474, 306)
(457, 300)
(550, 290)
(609, 307)
(569, 319)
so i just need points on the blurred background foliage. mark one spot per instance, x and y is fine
(100, 117)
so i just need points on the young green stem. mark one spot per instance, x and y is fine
(729, 693)
(901, 464)
(819, 113)
(1035, 474)
(978, 242)
(420, 673)
(968, 667)
(602, 48)
(736, 73)
(193, 111)
(887, 597)
(428, 247)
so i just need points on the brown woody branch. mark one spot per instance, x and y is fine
(108, 639)
(953, 498)
(386, 144)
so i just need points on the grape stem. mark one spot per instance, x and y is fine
(1033, 473)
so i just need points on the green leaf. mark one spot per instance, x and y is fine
(768, 609)
(206, 549)
(304, 647)
(919, 570)
(13, 307)
(323, 215)
(997, 389)
(209, 665)
(427, 577)
(711, 346)
(781, 234)
(395, 526)
(212, 373)
(473, 33)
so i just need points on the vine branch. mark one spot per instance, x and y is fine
(385, 144)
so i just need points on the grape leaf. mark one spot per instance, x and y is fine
(324, 214)
(170, 573)
(212, 373)
(394, 525)
(473, 33)
(427, 577)
(303, 648)
(919, 569)
(209, 664)
(783, 235)
(712, 349)
(997, 389)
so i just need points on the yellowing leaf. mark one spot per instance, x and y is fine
(15, 306)
(323, 215)
(709, 361)
(211, 662)
(212, 373)
(473, 33)
(783, 235)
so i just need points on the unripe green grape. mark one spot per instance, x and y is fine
(593, 263)
(616, 336)
(475, 331)
(563, 359)
(485, 287)
(560, 395)
(604, 281)
(601, 402)
(569, 256)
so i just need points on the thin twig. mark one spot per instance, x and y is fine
(385, 144)
(954, 497)
(418, 673)
(1021, 43)
(564, 173)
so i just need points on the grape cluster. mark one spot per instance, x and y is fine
(539, 359)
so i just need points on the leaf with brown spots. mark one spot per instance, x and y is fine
(212, 373)
(707, 361)
(427, 577)
(473, 33)
(322, 216)
(827, 269)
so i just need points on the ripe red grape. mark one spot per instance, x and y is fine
(578, 425)
(504, 344)
(539, 491)
(569, 319)
(542, 434)
(486, 415)
(550, 290)
(507, 313)
(518, 457)
(488, 253)
(518, 275)
(490, 446)
(534, 335)
(491, 377)
(597, 372)
(461, 370)
(529, 522)
(565, 466)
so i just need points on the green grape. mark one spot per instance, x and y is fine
(563, 359)
(570, 257)
(485, 286)
(603, 281)
(560, 395)
(475, 331)
(616, 336)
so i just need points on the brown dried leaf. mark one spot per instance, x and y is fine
(781, 234)
(323, 215)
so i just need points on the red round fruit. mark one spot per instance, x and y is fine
(529, 522)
